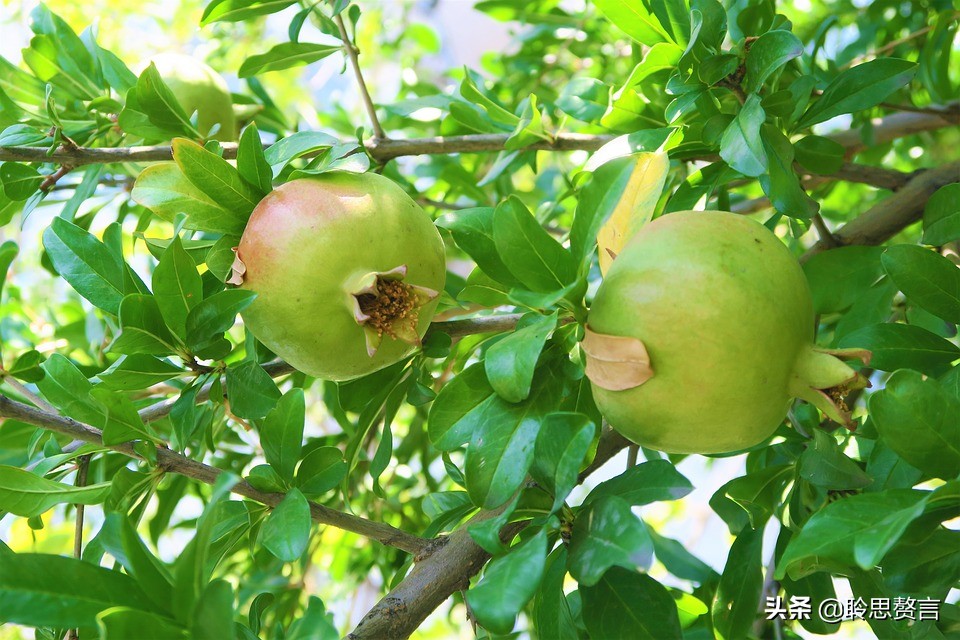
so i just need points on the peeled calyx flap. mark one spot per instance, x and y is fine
(615, 363)
(822, 378)
(384, 304)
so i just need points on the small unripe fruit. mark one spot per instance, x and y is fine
(347, 269)
(198, 88)
(701, 334)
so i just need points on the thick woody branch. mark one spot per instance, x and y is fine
(887, 218)
(449, 568)
(176, 463)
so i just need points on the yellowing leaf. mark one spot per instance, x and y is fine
(635, 207)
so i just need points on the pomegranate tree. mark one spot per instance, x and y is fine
(702, 333)
(347, 269)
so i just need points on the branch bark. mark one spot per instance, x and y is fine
(174, 462)
(887, 218)
(889, 128)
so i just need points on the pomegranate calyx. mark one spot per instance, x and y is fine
(615, 363)
(237, 270)
(383, 304)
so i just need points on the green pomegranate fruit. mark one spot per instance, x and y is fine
(347, 270)
(701, 334)
(198, 88)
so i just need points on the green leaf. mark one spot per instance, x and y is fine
(94, 271)
(897, 346)
(213, 615)
(941, 217)
(19, 181)
(737, 598)
(281, 433)
(510, 362)
(120, 539)
(472, 230)
(321, 470)
(584, 99)
(298, 144)
(819, 155)
(251, 161)
(560, 449)
(240, 10)
(917, 418)
(8, 251)
(285, 56)
(838, 277)
(177, 287)
(215, 315)
(286, 530)
(123, 423)
(252, 391)
(153, 111)
(607, 533)
(41, 590)
(216, 177)
(741, 146)
(927, 279)
(27, 366)
(138, 371)
(644, 483)
(315, 624)
(27, 495)
(857, 530)
(491, 111)
(768, 53)
(458, 411)
(552, 617)
(121, 623)
(825, 465)
(501, 451)
(165, 190)
(626, 605)
(528, 251)
(69, 390)
(634, 19)
(781, 183)
(750, 500)
(860, 87)
(508, 583)
(530, 127)
(678, 561)
(142, 329)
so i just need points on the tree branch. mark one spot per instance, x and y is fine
(449, 568)
(885, 219)
(352, 52)
(174, 462)
(889, 128)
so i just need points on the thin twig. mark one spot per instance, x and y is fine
(889, 128)
(893, 44)
(352, 52)
(26, 393)
(83, 464)
(826, 236)
(173, 462)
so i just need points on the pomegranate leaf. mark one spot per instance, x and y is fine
(917, 418)
(508, 583)
(606, 533)
(627, 604)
